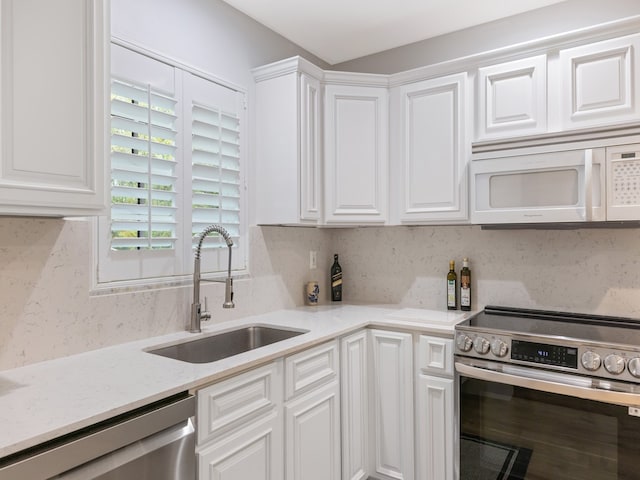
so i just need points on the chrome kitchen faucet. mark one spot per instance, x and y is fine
(197, 315)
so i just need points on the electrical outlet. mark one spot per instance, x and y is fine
(313, 259)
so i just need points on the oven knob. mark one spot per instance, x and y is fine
(591, 361)
(499, 348)
(614, 364)
(481, 345)
(634, 366)
(464, 343)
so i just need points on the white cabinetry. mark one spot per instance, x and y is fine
(355, 406)
(240, 429)
(312, 415)
(601, 82)
(431, 183)
(392, 405)
(53, 103)
(288, 143)
(435, 421)
(253, 452)
(512, 98)
(267, 424)
(356, 154)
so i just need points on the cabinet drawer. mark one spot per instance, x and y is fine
(308, 369)
(435, 355)
(231, 403)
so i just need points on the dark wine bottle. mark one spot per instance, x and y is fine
(452, 287)
(336, 280)
(465, 286)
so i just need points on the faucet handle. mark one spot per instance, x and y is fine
(205, 315)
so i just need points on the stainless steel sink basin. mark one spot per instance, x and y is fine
(227, 344)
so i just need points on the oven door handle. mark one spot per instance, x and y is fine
(554, 383)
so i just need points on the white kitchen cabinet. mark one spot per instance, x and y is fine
(356, 154)
(54, 67)
(312, 447)
(312, 414)
(600, 83)
(288, 143)
(355, 406)
(430, 178)
(252, 453)
(512, 98)
(436, 430)
(242, 420)
(240, 426)
(392, 455)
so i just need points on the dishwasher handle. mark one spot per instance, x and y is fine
(113, 435)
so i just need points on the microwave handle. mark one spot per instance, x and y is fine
(588, 185)
(551, 385)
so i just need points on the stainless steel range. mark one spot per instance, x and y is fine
(556, 394)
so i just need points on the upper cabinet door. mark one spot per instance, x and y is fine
(431, 183)
(310, 141)
(356, 154)
(512, 98)
(288, 143)
(53, 104)
(601, 82)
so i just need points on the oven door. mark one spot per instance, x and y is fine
(525, 423)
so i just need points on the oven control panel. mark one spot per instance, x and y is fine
(583, 358)
(544, 353)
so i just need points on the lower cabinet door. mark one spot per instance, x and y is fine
(392, 405)
(435, 428)
(312, 423)
(354, 391)
(252, 453)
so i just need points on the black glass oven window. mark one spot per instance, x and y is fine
(514, 433)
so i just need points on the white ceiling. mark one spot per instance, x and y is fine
(341, 30)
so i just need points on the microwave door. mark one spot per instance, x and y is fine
(539, 188)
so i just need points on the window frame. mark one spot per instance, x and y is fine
(181, 259)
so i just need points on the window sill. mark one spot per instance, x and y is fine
(154, 284)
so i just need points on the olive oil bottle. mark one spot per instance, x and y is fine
(452, 287)
(465, 286)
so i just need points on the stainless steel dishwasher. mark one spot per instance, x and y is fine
(155, 442)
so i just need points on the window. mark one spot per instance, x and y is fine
(176, 158)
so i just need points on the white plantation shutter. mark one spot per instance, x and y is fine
(143, 168)
(176, 167)
(215, 172)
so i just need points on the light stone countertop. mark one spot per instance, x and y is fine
(42, 401)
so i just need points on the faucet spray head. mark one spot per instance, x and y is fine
(228, 293)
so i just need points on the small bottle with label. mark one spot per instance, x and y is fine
(336, 280)
(465, 286)
(452, 287)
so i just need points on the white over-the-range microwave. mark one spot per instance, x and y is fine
(581, 176)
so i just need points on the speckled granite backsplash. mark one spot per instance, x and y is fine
(590, 270)
(46, 309)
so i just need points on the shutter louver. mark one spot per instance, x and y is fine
(143, 168)
(215, 172)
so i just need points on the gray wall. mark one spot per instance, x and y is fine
(209, 35)
(547, 21)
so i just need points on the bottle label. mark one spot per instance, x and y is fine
(465, 297)
(451, 293)
(465, 291)
(336, 279)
